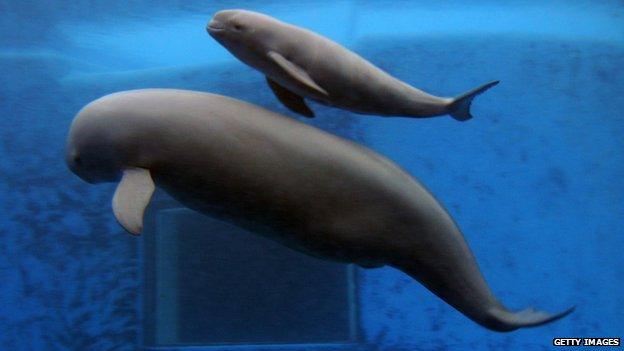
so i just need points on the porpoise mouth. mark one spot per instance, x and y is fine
(214, 27)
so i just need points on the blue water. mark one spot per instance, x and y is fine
(535, 180)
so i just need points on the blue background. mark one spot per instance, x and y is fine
(535, 180)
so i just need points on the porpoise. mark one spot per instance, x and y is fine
(299, 64)
(293, 183)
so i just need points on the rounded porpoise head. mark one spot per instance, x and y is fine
(110, 140)
(243, 32)
(94, 149)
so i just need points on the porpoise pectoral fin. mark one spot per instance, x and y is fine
(131, 198)
(291, 100)
(296, 72)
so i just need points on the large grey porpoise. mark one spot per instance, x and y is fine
(301, 64)
(305, 188)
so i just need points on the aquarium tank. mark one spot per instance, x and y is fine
(535, 180)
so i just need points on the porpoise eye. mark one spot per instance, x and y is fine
(238, 27)
(77, 161)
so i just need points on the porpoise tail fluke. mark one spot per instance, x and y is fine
(503, 320)
(460, 106)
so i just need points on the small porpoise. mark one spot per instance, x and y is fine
(301, 64)
(275, 176)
